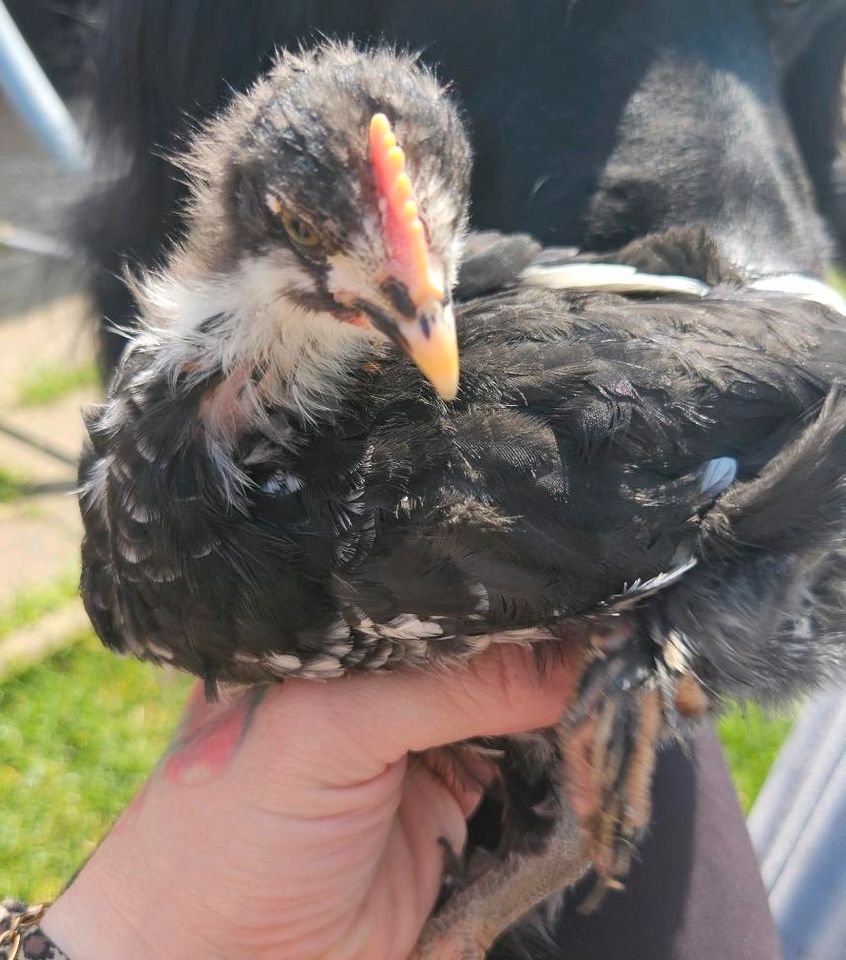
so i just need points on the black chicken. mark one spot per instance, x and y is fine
(271, 490)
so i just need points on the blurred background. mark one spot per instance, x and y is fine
(80, 729)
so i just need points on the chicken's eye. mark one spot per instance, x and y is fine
(302, 233)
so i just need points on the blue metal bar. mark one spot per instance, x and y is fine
(30, 241)
(31, 93)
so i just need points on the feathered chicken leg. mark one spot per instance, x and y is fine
(470, 922)
(607, 745)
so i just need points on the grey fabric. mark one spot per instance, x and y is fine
(798, 827)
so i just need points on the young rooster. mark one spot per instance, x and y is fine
(272, 490)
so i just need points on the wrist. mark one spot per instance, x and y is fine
(114, 910)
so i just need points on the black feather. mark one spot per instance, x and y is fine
(580, 430)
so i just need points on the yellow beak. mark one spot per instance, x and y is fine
(430, 341)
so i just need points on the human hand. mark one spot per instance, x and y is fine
(302, 821)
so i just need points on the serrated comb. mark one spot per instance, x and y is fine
(404, 230)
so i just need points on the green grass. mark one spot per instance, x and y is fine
(12, 485)
(837, 278)
(29, 605)
(752, 740)
(47, 384)
(78, 734)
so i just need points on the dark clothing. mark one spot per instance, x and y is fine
(695, 890)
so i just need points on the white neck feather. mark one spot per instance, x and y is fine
(203, 323)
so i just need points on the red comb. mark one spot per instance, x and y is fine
(404, 229)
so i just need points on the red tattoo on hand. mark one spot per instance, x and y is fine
(210, 736)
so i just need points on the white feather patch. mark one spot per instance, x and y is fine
(634, 592)
(808, 288)
(306, 354)
(611, 277)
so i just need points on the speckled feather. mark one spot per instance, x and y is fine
(562, 491)
(406, 530)
(270, 492)
(658, 479)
